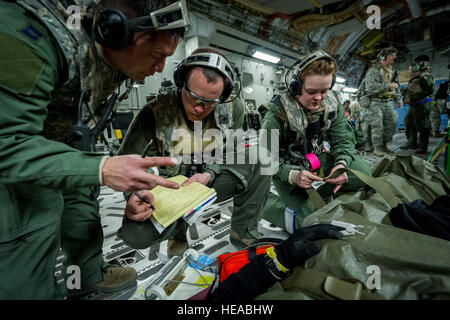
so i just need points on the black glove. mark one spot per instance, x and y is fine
(301, 246)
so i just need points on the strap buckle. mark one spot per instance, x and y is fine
(350, 229)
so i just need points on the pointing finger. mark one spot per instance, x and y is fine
(158, 161)
(154, 181)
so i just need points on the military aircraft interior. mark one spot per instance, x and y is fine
(262, 39)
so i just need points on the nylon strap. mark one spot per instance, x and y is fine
(381, 187)
(420, 102)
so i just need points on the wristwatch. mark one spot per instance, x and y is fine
(212, 176)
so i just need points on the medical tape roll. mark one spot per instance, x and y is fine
(174, 267)
(313, 160)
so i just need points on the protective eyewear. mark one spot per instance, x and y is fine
(200, 100)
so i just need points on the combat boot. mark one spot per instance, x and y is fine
(238, 241)
(115, 279)
(421, 151)
(424, 136)
(176, 247)
(386, 149)
(379, 151)
(368, 147)
(411, 144)
(178, 243)
(408, 146)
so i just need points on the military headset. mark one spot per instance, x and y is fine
(385, 52)
(295, 89)
(295, 85)
(113, 29)
(420, 63)
(417, 66)
(211, 60)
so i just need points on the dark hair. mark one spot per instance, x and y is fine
(139, 8)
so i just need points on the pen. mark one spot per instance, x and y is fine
(145, 200)
(144, 153)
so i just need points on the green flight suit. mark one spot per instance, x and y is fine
(44, 182)
(242, 182)
(292, 205)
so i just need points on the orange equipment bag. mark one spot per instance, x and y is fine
(230, 263)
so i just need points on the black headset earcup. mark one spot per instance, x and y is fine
(179, 74)
(295, 87)
(333, 82)
(226, 92)
(111, 29)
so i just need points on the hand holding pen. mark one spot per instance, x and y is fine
(138, 205)
(138, 209)
(145, 200)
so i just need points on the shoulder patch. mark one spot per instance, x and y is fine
(21, 66)
(32, 33)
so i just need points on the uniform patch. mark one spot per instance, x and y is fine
(21, 66)
(32, 33)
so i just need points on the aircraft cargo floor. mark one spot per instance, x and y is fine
(209, 235)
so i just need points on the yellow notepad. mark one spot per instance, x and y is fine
(173, 204)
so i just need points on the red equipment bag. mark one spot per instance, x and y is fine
(230, 263)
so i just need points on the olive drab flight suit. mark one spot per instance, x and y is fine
(328, 124)
(243, 182)
(417, 120)
(44, 182)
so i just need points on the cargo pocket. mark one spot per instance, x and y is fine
(29, 241)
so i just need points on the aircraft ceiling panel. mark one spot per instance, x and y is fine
(222, 40)
(289, 7)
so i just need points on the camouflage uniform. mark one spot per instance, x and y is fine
(417, 120)
(364, 102)
(380, 117)
(435, 117)
(355, 113)
(439, 107)
(44, 182)
(158, 120)
(329, 124)
(355, 119)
